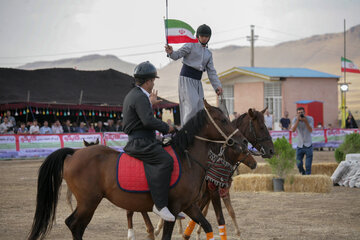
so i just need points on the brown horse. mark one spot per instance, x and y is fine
(90, 175)
(252, 126)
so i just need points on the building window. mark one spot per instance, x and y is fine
(273, 99)
(228, 92)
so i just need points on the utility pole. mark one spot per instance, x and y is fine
(252, 40)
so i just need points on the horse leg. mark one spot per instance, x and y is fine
(227, 202)
(191, 225)
(216, 201)
(180, 228)
(167, 231)
(159, 226)
(69, 199)
(149, 226)
(205, 212)
(131, 233)
(80, 218)
(196, 215)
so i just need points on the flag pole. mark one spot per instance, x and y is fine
(343, 93)
(166, 22)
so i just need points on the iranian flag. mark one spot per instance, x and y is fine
(348, 66)
(179, 32)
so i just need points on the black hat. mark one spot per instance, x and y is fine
(203, 30)
(145, 70)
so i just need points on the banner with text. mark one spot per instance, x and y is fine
(39, 146)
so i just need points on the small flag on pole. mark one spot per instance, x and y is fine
(179, 32)
(348, 66)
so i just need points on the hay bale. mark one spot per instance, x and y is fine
(308, 183)
(252, 183)
(324, 168)
(261, 168)
(293, 183)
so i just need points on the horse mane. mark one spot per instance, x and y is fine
(239, 119)
(185, 137)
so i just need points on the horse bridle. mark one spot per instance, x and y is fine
(229, 141)
(258, 140)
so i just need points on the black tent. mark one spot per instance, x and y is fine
(67, 93)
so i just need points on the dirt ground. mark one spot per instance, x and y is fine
(261, 215)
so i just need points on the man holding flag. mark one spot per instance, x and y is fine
(197, 59)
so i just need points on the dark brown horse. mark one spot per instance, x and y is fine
(90, 175)
(252, 126)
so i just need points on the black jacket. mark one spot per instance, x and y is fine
(138, 114)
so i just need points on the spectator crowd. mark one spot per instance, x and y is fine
(9, 126)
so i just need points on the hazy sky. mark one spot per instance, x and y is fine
(133, 30)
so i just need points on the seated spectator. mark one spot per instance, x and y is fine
(45, 129)
(6, 127)
(100, 127)
(11, 118)
(91, 128)
(22, 129)
(285, 123)
(68, 128)
(34, 129)
(57, 128)
(118, 126)
(110, 126)
(319, 126)
(74, 128)
(330, 126)
(82, 128)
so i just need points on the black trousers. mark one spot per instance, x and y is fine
(158, 166)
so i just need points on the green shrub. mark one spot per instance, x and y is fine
(351, 144)
(283, 160)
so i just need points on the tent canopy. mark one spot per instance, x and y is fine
(62, 87)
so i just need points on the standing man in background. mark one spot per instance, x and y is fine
(268, 120)
(197, 59)
(285, 123)
(303, 125)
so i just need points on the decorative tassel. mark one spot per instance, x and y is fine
(222, 232)
(189, 229)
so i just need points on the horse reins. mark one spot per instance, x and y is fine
(228, 139)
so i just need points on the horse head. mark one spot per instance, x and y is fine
(220, 130)
(252, 124)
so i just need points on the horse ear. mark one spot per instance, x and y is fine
(206, 104)
(85, 143)
(97, 141)
(263, 111)
(251, 113)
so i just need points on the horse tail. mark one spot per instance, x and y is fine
(49, 182)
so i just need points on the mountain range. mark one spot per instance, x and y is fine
(319, 52)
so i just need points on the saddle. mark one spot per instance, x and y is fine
(130, 173)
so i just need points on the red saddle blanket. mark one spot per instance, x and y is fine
(130, 172)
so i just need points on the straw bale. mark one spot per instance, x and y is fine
(252, 183)
(293, 183)
(261, 168)
(308, 183)
(324, 168)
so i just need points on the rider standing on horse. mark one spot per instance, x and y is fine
(197, 59)
(140, 125)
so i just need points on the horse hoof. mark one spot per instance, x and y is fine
(131, 234)
(156, 232)
(238, 233)
(186, 237)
